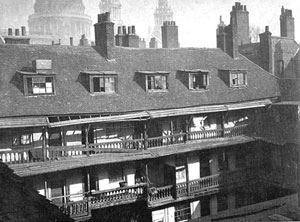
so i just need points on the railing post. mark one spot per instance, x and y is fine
(44, 146)
(223, 125)
(145, 137)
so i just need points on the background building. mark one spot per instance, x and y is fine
(115, 9)
(59, 19)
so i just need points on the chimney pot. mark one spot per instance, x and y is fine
(23, 28)
(59, 42)
(71, 41)
(129, 30)
(17, 32)
(133, 30)
(119, 30)
(124, 30)
(52, 42)
(267, 29)
(10, 32)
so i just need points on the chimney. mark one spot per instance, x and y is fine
(104, 35)
(83, 41)
(17, 39)
(131, 39)
(71, 41)
(59, 42)
(266, 50)
(10, 32)
(227, 41)
(52, 42)
(153, 43)
(17, 32)
(170, 35)
(287, 23)
(120, 36)
(23, 30)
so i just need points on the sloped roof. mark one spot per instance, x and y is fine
(19, 202)
(73, 98)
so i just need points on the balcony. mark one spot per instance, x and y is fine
(122, 195)
(32, 155)
(203, 186)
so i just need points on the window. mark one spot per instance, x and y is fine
(116, 174)
(183, 212)
(156, 82)
(104, 84)
(198, 81)
(22, 139)
(40, 85)
(238, 79)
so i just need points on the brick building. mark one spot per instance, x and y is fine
(117, 133)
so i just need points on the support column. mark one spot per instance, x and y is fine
(145, 136)
(213, 205)
(223, 124)
(214, 166)
(44, 146)
(88, 180)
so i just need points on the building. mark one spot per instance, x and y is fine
(163, 12)
(114, 7)
(14, 13)
(57, 21)
(117, 133)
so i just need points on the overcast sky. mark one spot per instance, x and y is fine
(198, 19)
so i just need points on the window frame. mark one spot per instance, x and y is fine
(166, 76)
(104, 77)
(28, 79)
(18, 135)
(205, 77)
(236, 75)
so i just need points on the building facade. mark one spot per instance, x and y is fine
(117, 133)
(58, 21)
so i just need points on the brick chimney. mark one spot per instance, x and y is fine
(83, 41)
(153, 43)
(17, 38)
(170, 35)
(104, 35)
(266, 50)
(287, 23)
(132, 39)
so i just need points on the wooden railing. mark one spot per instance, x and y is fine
(205, 134)
(211, 182)
(137, 144)
(55, 153)
(166, 140)
(161, 193)
(78, 209)
(122, 195)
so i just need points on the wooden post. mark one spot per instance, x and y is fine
(88, 178)
(46, 188)
(87, 136)
(147, 181)
(145, 136)
(44, 145)
(223, 124)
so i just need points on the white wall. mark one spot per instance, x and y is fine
(164, 215)
(194, 167)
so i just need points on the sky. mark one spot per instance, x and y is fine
(198, 19)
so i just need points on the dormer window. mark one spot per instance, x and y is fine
(195, 79)
(238, 79)
(39, 80)
(234, 78)
(102, 82)
(40, 85)
(155, 81)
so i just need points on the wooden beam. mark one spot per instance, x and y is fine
(44, 145)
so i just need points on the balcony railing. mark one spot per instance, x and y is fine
(161, 193)
(78, 209)
(55, 153)
(121, 195)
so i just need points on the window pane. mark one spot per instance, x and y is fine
(25, 139)
(96, 84)
(29, 86)
(150, 82)
(160, 82)
(102, 84)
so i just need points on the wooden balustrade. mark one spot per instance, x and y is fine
(120, 195)
(204, 183)
(160, 193)
(78, 208)
(166, 140)
(55, 153)
(181, 189)
(235, 131)
(205, 134)
(137, 144)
